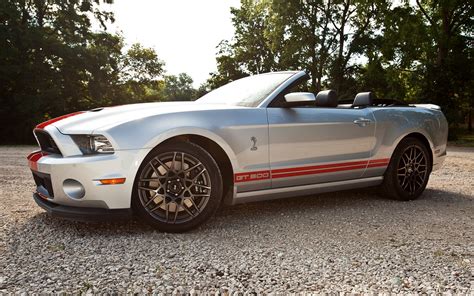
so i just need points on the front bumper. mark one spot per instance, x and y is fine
(82, 213)
(53, 172)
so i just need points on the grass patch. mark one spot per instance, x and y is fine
(464, 139)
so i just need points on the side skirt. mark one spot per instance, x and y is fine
(275, 193)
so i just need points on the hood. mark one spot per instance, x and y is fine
(89, 121)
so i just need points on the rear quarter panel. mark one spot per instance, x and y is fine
(395, 123)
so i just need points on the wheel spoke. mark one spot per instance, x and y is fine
(167, 168)
(167, 211)
(201, 195)
(199, 174)
(419, 183)
(194, 204)
(193, 167)
(201, 186)
(176, 212)
(150, 180)
(405, 182)
(183, 206)
(173, 168)
(147, 189)
(154, 169)
(418, 155)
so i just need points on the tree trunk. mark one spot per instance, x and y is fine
(339, 77)
(469, 120)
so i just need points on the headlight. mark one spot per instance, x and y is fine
(93, 144)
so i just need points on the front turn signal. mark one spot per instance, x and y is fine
(114, 181)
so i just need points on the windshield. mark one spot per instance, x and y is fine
(248, 92)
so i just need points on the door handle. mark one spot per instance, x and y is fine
(362, 121)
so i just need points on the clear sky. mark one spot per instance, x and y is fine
(184, 33)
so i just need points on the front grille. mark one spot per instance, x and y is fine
(43, 182)
(46, 143)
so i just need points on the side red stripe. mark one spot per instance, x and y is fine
(373, 165)
(320, 171)
(309, 170)
(51, 121)
(384, 160)
(315, 167)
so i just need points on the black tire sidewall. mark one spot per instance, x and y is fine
(392, 185)
(216, 187)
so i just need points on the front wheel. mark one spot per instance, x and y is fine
(408, 172)
(177, 187)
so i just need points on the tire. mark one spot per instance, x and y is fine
(408, 171)
(175, 193)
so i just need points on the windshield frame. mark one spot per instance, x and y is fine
(274, 94)
(268, 98)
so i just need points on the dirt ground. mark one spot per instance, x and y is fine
(352, 241)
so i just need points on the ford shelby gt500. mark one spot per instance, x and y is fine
(257, 138)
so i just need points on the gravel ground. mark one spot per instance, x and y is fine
(351, 241)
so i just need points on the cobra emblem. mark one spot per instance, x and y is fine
(254, 143)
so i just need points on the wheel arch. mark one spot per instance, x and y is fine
(214, 145)
(423, 138)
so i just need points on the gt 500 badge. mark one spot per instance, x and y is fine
(253, 176)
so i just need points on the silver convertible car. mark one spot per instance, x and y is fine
(257, 138)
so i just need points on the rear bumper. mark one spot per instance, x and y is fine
(82, 213)
(439, 159)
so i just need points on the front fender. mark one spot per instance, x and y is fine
(190, 130)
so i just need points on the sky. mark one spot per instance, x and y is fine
(184, 33)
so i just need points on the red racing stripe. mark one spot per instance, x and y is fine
(51, 121)
(33, 158)
(318, 171)
(378, 163)
(309, 170)
(384, 160)
(315, 167)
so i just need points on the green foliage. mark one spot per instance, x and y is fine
(53, 63)
(141, 64)
(413, 51)
(179, 88)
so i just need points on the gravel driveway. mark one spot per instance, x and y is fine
(351, 241)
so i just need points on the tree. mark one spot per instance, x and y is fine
(141, 74)
(53, 63)
(179, 88)
(431, 42)
(415, 51)
(141, 64)
(45, 52)
(319, 36)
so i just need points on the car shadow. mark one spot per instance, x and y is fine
(244, 217)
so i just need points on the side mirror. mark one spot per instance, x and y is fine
(300, 99)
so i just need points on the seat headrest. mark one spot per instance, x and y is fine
(363, 99)
(326, 98)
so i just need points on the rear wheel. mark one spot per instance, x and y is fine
(177, 188)
(408, 172)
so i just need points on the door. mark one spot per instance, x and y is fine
(310, 145)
